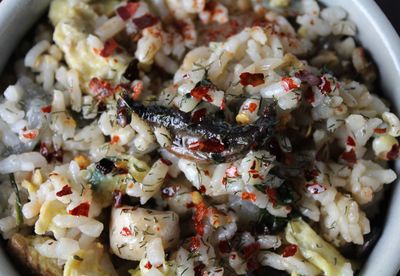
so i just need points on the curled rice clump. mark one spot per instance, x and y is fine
(202, 137)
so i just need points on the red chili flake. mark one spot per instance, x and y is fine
(224, 247)
(325, 86)
(194, 244)
(202, 189)
(349, 156)
(198, 269)
(126, 12)
(289, 84)
(251, 250)
(200, 213)
(46, 109)
(166, 161)
(252, 107)
(199, 115)
(146, 20)
(350, 141)
(393, 154)
(109, 48)
(210, 6)
(66, 190)
(114, 140)
(380, 130)
(315, 188)
(260, 22)
(209, 145)
(232, 172)
(30, 135)
(309, 95)
(148, 265)
(289, 250)
(81, 210)
(249, 196)
(247, 78)
(101, 89)
(250, 254)
(201, 93)
(272, 194)
(126, 232)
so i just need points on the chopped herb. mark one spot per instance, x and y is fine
(183, 272)
(18, 204)
(137, 168)
(76, 257)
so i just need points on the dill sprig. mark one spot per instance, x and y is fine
(18, 204)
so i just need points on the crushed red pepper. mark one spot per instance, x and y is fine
(66, 190)
(80, 210)
(145, 21)
(201, 93)
(200, 213)
(101, 88)
(209, 145)
(247, 78)
(350, 141)
(46, 109)
(289, 83)
(126, 12)
(349, 156)
(126, 232)
(109, 48)
(272, 194)
(194, 244)
(289, 250)
(148, 265)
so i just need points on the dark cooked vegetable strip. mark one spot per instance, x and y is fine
(18, 204)
(235, 140)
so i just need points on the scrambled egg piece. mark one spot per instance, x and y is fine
(48, 211)
(92, 261)
(74, 23)
(316, 250)
(280, 3)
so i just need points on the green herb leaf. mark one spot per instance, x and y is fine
(76, 257)
(18, 204)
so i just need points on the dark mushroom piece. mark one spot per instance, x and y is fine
(212, 139)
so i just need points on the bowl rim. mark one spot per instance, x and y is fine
(11, 25)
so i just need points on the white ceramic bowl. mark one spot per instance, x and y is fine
(375, 33)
